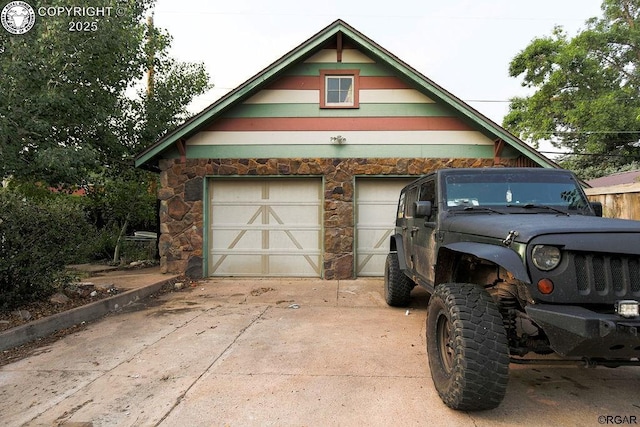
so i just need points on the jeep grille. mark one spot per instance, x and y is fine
(607, 274)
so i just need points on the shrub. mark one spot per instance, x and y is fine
(38, 238)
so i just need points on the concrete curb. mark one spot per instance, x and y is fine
(48, 325)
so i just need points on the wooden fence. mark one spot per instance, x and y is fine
(618, 201)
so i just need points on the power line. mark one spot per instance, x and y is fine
(597, 132)
(627, 156)
(186, 11)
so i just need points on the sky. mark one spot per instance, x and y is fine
(465, 46)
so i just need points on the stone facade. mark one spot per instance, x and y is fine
(181, 201)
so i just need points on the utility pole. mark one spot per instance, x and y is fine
(150, 55)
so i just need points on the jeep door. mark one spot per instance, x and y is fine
(408, 226)
(424, 232)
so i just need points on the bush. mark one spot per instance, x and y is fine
(39, 236)
(119, 206)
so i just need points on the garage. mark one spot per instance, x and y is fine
(265, 227)
(376, 204)
(275, 178)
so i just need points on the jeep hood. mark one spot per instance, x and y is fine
(530, 226)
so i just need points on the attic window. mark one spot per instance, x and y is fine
(339, 88)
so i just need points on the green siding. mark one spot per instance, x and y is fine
(313, 69)
(338, 151)
(365, 110)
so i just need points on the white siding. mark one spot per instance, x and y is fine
(312, 96)
(440, 137)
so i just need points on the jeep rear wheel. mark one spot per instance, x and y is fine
(467, 347)
(397, 286)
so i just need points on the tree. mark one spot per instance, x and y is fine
(160, 106)
(70, 114)
(587, 90)
(61, 91)
(66, 111)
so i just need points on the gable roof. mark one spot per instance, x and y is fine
(149, 156)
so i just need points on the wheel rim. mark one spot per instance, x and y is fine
(445, 342)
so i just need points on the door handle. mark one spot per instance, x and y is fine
(414, 230)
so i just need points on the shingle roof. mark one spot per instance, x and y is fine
(616, 179)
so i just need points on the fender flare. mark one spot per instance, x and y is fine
(502, 256)
(397, 246)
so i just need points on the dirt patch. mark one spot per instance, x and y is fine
(20, 352)
(74, 296)
(259, 291)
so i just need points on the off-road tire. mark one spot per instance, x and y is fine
(397, 286)
(467, 347)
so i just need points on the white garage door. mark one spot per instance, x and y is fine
(376, 205)
(265, 227)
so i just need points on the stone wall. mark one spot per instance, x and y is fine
(181, 201)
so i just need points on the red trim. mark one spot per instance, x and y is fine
(312, 83)
(382, 83)
(338, 123)
(297, 83)
(356, 87)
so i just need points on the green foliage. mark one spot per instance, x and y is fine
(587, 90)
(112, 201)
(70, 117)
(66, 109)
(61, 89)
(163, 106)
(38, 237)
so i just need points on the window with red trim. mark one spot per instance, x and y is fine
(339, 88)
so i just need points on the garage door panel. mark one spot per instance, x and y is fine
(225, 265)
(237, 240)
(282, 265)
(266, 227)
(376, 206)
(276, 264)
(294, 217)
(291, 239)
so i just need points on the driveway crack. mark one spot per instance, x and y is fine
(227, 348)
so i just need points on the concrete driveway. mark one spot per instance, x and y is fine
(285, 353)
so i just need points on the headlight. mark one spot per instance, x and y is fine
(546, 257)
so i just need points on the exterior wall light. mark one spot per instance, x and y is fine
(338, 139)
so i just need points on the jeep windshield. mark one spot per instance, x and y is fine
(523, 191)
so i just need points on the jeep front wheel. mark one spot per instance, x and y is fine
(467, 347)
(397, 286)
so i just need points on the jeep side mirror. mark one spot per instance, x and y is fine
(597, 208)
(423, 209)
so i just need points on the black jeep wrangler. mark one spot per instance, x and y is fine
(517, 262)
